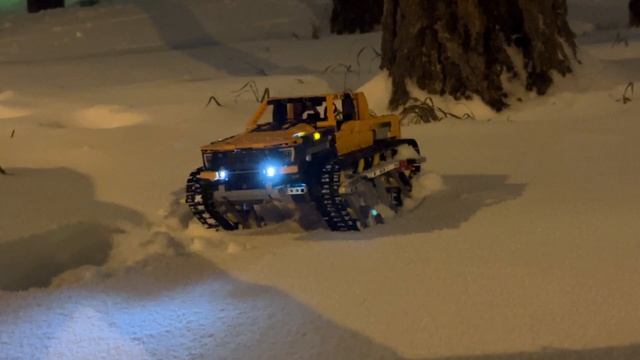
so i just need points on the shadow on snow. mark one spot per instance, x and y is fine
(55, 226)
(180, 30)
(463, 197)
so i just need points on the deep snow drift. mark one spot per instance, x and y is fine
(525, 245)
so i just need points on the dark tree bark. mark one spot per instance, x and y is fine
(39, 5)
(352, 16)
(460, 47)
(634, 13)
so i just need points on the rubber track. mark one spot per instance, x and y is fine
(196, 201)
(331, 204)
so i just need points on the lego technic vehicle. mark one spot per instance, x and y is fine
(317, 160)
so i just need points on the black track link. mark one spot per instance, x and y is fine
(196, 200)
(331, 204)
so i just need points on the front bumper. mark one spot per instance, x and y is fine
(257, 196)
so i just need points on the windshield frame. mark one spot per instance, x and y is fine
(288, 111)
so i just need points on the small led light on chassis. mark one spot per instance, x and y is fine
(220, 175)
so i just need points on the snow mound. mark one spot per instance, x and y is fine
(108, 117)
(9, 112)
(406, 152)
(581, 27)
(6, 95)
(378, 91)
(424, 185)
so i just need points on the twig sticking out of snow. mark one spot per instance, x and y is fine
(2, 172)
(13, 133)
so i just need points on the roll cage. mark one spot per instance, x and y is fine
(318, 111)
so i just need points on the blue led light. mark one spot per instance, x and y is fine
(223, 174)
(270, 171)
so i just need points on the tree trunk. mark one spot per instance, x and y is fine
(39, 5)
(461, 47)
(634, 13)
(352, 16)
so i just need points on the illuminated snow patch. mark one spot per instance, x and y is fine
(6, 95)
(108, 117)
(9, 112)
(89, 334)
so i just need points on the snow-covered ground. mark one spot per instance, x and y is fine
(526, 246)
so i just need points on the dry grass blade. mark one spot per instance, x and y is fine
(620, 40)
(347, 68)
(261, 71)
(328, 68)
(425, 111)
(248, 84)
(332, 68)
(252, 88)
(418, 113)
(214, 100)
(627, 96)
(315, 31)
(376, 53)
(265, 95)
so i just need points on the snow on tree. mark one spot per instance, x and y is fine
(462, 47)
(634, 13)
(352, 16)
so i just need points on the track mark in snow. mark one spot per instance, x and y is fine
(34, 261)
(108, 117)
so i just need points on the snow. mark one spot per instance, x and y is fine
(9, 111)
(108, 117)
(522, 242)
